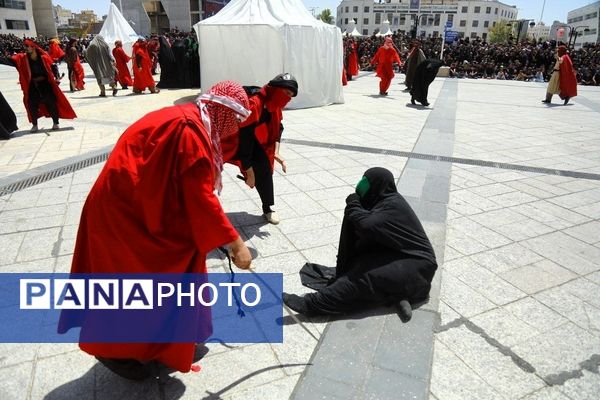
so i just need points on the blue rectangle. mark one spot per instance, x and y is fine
(179, 308)
(448, 24)
(451, 36)
(414, 4)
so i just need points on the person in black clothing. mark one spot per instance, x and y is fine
(8, 119)
(384, 255)
(424, 75)
(168, 67)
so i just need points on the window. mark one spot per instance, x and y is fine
(347, 9)
(488, 10)
(16, 24)
(366, 21)
(390, 17)
(592, 15)
(486, 24)
(473, 35)
(355, 9)
(436, 20)
(450, 17)
(365, 32)
(461, 34)
(475, 24)
(502, 13)
(496, 11)
(377, 18)
(345, 21)
(477, 10)
(465, 9)
(484, 35)
(16, 4)
(366, 9)
(494, 23)
(463, 22)
(436, 34)
(396, 21)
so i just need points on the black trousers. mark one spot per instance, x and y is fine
(41, 93)
(264, 177)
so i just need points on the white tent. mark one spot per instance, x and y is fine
(355, 33)
(251, 41)
(116, 28)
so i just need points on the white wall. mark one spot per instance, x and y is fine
(20, 15)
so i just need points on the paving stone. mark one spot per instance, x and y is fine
(297, 348)
(504, 327)
(488, 284)
(75, 380)
(535, 314)
(39, 244)
(548, 393)
(588, 232)
(452, 379)
(462, 298)
(383, 384)
(586, 387)
(10, 244)
(498, 370)
(506, 258)
(538, 276)
(553, 352)
(15, 381)
(285, 263)
(571, 307)
(277, 390)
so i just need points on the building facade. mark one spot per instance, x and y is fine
(62, 15)
(470, 18)
(540, 31)
(580, 19)
(29, 18)
(159, 16)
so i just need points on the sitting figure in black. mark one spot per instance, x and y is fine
(384, 256)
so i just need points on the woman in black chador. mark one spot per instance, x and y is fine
(384, 255)
(424, 75)
(8, 120)
(168, 68)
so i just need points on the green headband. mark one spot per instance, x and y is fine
(362, 187)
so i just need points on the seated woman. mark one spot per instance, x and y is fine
(384, 255)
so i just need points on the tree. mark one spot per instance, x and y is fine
(501, 32)
(326, 16)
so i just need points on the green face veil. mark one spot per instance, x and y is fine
(362, 187)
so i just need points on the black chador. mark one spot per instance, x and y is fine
(384, 255)
(424, 75)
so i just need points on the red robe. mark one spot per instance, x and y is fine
(55, 51)
(353, 60)
(62, 104)
(385, 58)
(142, 77)
(267, 133)
(78, 73)
(568, 78)
(121, 59)
(153, 210)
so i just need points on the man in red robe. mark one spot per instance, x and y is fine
(142, 75)
(256, 148)
(384, 59)
(121, 60)
(153, 210)
(352, 68)
(41, 94)
(568, 76)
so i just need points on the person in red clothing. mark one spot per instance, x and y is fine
(384, 59)
(41, 94)
(121, 60)
(74, 67)
(256, 148)
(142, 75)
(564, 79)
(352, 59)
(55, 51)
(153, 209)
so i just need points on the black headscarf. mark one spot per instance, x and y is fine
(381, 185)
(286, 81)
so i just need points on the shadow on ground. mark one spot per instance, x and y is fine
(184, 100)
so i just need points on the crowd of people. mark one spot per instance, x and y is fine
(478, 59)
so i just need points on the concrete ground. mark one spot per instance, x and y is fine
(507, 188)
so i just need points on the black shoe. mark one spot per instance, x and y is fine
(404, 310)
(567, 100)
(412, 101)
(546, 101)
(425, 103)
(114, 92)
(297, 304)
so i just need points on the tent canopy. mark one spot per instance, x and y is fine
(116, 28)
(251, 41)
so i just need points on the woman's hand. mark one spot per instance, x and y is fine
(250, 179)
(239, 253)
(281, 161)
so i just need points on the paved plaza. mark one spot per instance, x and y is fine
(507, 188)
